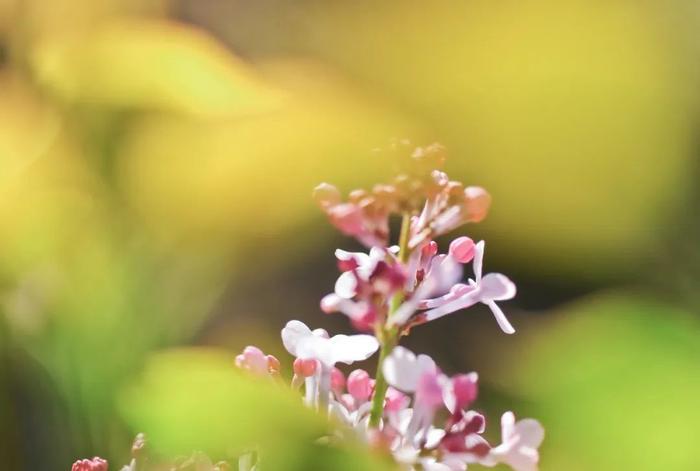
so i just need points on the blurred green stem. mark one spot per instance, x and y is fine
(389, 336)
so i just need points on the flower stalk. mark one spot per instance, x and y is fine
(389, 336)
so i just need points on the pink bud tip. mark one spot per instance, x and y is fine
(395, 400)
(273, 364)
(337, 380)
(305, 368)
(430, 249)
(462, 249)
(95, 464)
(359, 385)
(465, 388)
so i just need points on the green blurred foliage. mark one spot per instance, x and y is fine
(195, 399)
(614, 379)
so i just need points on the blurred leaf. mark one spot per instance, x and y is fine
(151, 64)
(614, 380)
(196, 400)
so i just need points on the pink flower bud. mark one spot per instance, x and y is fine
(305, 368)
(477, 203)
(429, 249)
(465, 388)
(359, 385)
(348, 218)
(326, 195)
(395, 400)
(95, 464)
(273, 364)
(337, 381)
(462, 249)
(254, 360)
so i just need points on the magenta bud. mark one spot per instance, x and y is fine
(337, 381)
(359, 385)
(348, 218)
(465, 388)
(305, 368)
(95, 464)
(462, 249)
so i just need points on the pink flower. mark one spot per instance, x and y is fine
(95, 464)
(488, 289)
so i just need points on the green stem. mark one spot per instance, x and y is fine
(389, 337)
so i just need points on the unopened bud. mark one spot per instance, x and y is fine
(305, 367)
(326, 195)
(462, 249)
(477, 203)
(337, 381)
(273, 364)
(359, 385)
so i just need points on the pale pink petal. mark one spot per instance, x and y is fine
(530, 431)
(497, 287)
(500, 318)
(478, 259)
(403, 369)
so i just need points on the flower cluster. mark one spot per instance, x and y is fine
(411, 408)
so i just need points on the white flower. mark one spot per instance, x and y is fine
(487, 290)
(520, 442)
(301, 342)
(306, 344)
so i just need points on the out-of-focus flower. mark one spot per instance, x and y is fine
(306, 344)
(520, 443)
(94, 464)
(255, 361)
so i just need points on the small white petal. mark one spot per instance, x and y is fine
(503, 322)
(351, 348)
(292, 333)
(346, 285)
(478, 259)
(507, 426)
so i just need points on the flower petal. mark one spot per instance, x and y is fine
(346, 285)
(478, 259)
(497, 287)
(293, 333)
(351, 348)
(500, 318)
(403, 369)
(531, 433)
